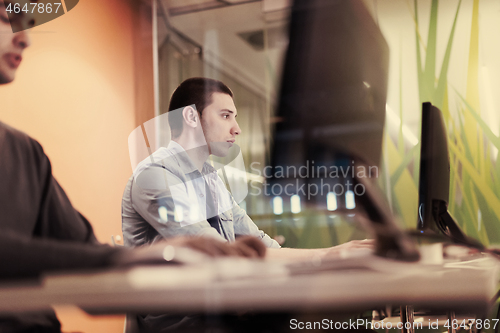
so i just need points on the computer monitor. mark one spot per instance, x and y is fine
(334, 83)
(331, 113)
(434, 182)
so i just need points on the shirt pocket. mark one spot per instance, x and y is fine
(226, 220)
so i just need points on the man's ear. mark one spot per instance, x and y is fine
(190, 116)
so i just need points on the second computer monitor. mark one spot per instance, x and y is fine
(434, 182)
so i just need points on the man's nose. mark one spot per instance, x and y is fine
(236, 129)
(22, 39)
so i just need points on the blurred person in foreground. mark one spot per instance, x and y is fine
(40, 231)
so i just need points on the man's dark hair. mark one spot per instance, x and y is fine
(197, 91)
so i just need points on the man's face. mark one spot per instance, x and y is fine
(219, 124)
(12, 44)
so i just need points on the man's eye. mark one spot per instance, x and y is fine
(226, 116)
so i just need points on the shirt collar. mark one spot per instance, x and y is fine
(185, 161)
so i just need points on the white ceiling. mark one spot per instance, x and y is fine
(215, 26)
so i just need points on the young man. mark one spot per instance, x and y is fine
(40, 231)
(179, 181)
(176, 192)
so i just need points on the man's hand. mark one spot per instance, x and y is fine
(163, 251)
(352, 248)
(246, 246)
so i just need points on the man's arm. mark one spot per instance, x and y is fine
(40, 230)
(26, 257)
(326, 253)
(243, 225)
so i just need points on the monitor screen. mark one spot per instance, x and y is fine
(334, 84)
(330, 120)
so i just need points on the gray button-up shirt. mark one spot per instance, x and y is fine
(166, 197)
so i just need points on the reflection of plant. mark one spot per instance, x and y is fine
(474, 173)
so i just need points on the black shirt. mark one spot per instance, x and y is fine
(40, 230)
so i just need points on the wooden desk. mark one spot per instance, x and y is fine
(238, 284)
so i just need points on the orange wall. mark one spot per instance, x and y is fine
(76, 93)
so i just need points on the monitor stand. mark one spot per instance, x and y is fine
(391, 241)
(446, 226)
